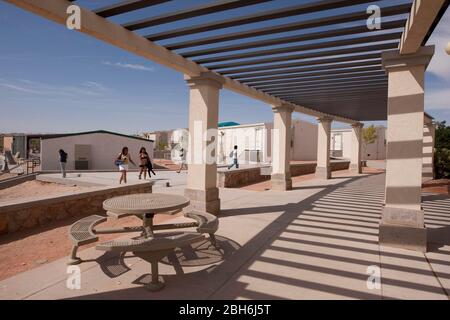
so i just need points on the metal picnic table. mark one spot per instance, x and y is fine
(145, 206)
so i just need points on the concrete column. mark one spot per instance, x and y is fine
(402, 224)
(355, 161)
(281, 151)
(429, 132)
(323, 169)
(201, 186)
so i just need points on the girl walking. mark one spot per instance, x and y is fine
(123, 160)
(144, 162)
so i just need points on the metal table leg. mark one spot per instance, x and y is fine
(148, 224)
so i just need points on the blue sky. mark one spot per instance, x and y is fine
(56, 80)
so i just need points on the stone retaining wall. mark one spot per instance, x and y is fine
(239, 178)
(242, 177)
(40, 212)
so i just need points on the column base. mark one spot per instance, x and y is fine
(403, 228)
(281, 182)
(204, 200)
(356, 169)
(409, 238)
(323, 172)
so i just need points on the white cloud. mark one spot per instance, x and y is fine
(18, 88)
(88, 88)
(138, 67)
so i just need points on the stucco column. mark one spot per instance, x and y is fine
(355, 157)
(323, 169)
(201, 186)
(281, 151)
(402, 224)
(429, 133)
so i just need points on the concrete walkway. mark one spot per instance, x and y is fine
(318, 241)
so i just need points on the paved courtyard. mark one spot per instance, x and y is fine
(316, 242)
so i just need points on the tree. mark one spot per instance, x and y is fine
(442, 151)
(369, 135)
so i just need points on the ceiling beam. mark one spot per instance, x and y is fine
(126, 6)
(343, 65)
(304, 47)
(303, 84)
(335, 93)
(213, 7)
(309, 62)
(316, 54)
(424, 16)
(396, 24)
(314, 75)
(331, 78)
(297, 85)
(316, 6)
(294, 26)
(328, 88)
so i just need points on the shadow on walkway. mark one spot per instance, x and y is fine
(318, 248)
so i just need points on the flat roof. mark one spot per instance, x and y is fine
(93, 132)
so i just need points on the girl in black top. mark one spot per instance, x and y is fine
(144, 160)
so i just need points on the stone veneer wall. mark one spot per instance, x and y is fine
(239, 178)
(40, 212)
(242, 177)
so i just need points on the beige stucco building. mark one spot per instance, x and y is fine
(95, 150)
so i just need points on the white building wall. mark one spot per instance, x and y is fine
(304, 141)
(104, 148)
(374, 151)
(253, 137)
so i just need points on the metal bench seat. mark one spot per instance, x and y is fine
(82, 233)
(152, 250)
(161, 241)
(207, 223)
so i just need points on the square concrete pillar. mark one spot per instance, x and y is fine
(281, 151)
(355, 161)
(429, 133)
(323, 169)
(402, 224)
(201, 186)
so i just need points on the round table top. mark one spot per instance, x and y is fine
(143, 203)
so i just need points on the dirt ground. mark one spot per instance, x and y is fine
(31, 189)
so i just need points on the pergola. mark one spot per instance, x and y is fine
(320, 58)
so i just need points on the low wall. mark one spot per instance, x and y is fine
(8, 183)
(242, 177)
(15, 216)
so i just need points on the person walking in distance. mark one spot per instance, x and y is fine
(62, 161)
(234, 156)
(144, 159)
(183, 160)
(123, 160)
(150, 168)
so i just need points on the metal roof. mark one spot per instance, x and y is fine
(317, 54)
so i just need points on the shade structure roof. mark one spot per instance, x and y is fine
(324, 55)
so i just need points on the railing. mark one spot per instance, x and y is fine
(22, 164)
